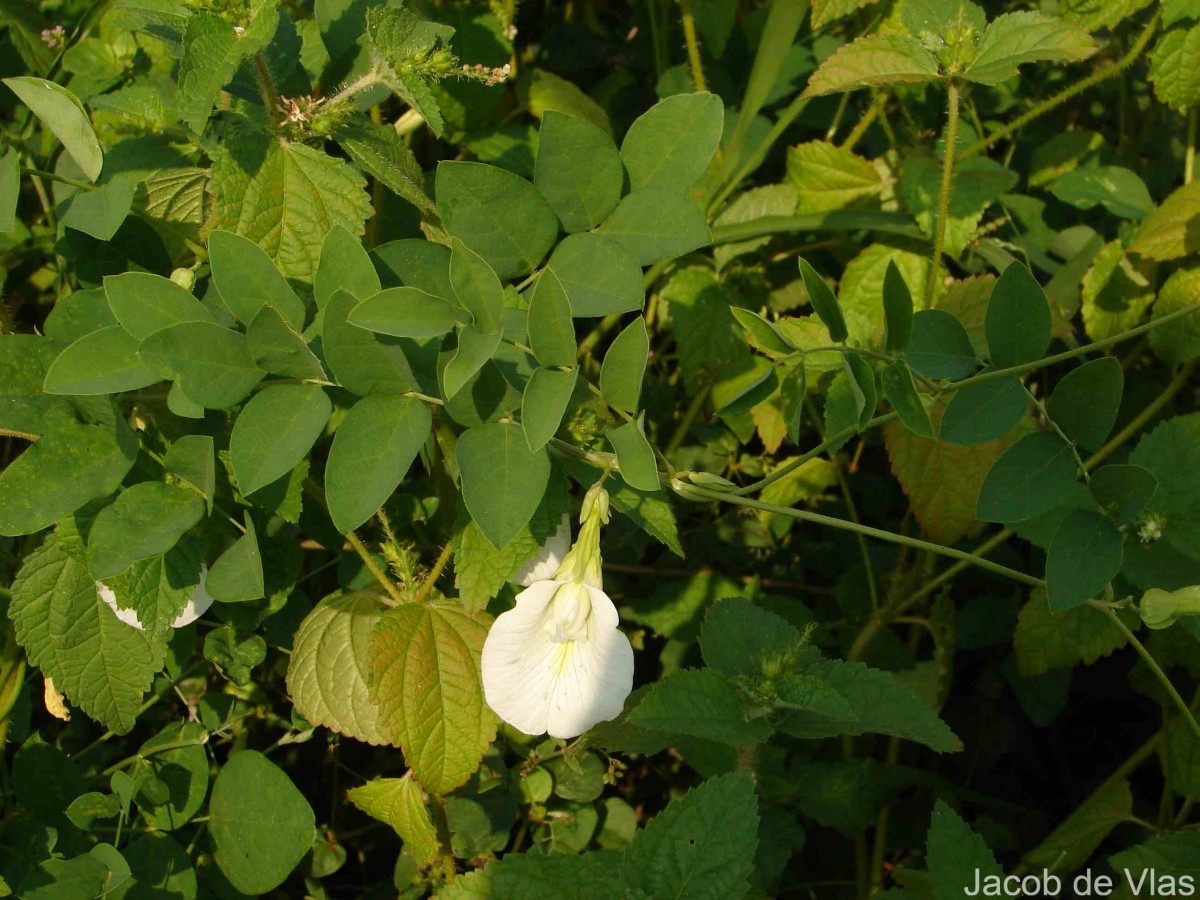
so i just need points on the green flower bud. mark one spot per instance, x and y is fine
(1160, 609)
(185, 278)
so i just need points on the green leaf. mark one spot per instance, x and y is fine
(984, 411)
(881, 704)
(1171, 452)
(897, 310)
(671, 144)
(544, 402)
(100, 213)
(275, 431)
(468, 196)
(559, 876)
(279, 349)
(398, 39)
(471, 352)
(247, 280)
(1072, 843)
(1017, 326)
(624, 367)
(655, 224)
(1085, 403)
(1173, 69)
(159, 588)
(502, 479)
(701, 846)
(940, 347)
(739, 391)
(237, 574)
(1181, 342)
(829, 177)
(1168, 232)
(406, 312)
(1032, 476)
(978, 182)
(824, 303)
(578, 171)
(64, 115)
(878, 59)
(476, 286)
(424, 665)
(212, 365)
(551, 331)
(289, 202)
(1085, 555)
(344, 265)
(362, 362)
(599, 275)
(156, 863)
(762, 333)
(738, 638)
(86, 875)
(1122, 491)
(1046, 640)
(261, 825)
(1173, 856)
(958, 857)
(701, 703)
(808, 693)
(381, 152)
(10, 190)
(1013, 39)
(373, 449)
(328, 677)
(400, 803)
(145, 520)
(100, 663)
(213, 48)
(103, 362)
(1120, 191)
(60, 473)
(191, 459)
(145, 303)
(901, 392)
(635, 458)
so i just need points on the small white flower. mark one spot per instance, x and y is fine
(196, 606)
(546, 561)
(556, 662)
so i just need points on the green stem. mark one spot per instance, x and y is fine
(1189, 155)
(691, 491)
(61, 179)
(442, 826)
(943, 209)
(857, 132)
(314, 490)
(685, 423)
(693, 45)
(266, 88)
(753, 160)
(434, 574)
(837, 220)
(1067, 93)
(1152, 663)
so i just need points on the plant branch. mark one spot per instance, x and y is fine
(434, 574)
(943, 208)
(693, 45)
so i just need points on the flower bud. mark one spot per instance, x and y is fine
(185, 278)
(1160, 609)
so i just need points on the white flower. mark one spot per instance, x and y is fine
(556, 662)
(546, 561)
(196, 606)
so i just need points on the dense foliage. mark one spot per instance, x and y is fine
(848, 348)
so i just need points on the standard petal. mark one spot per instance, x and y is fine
(128, 616)
(516, 680)
(544, 564)
(197, 606)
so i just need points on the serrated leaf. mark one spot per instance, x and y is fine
(502, 479)
(701, 846)
(383, 155)
(878, 59)
(145, 520)
(102, 665)
(275, 431)
(260, 823)
(400, 803)
(737, 637)
(103, 362)
(425, 680)
(1072, 843)
(468, 195)
(978, 182)
(1181, 342)
(599, 275)
(958, 857)
(578, 170)
(671, 143)
(144, 303)
(157, 590)
(881, 705)
(289, 202)
(61, 472)
(655, 224)
(1168, 232)
(1046, 640)
(829, 177)
(1013, 39)
(328, 676)
(62, 113)
(398, 38)
(1173, 69)
(372, 451)
(212, 365)
(701, 703)
(1171, 452)
(213, 49)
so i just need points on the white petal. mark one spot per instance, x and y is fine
(128, 616)
(197, 606)
(549, 557)
(540, 686)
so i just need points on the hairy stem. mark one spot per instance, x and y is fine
(434, 574)
(693, 45)
(943, 208)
